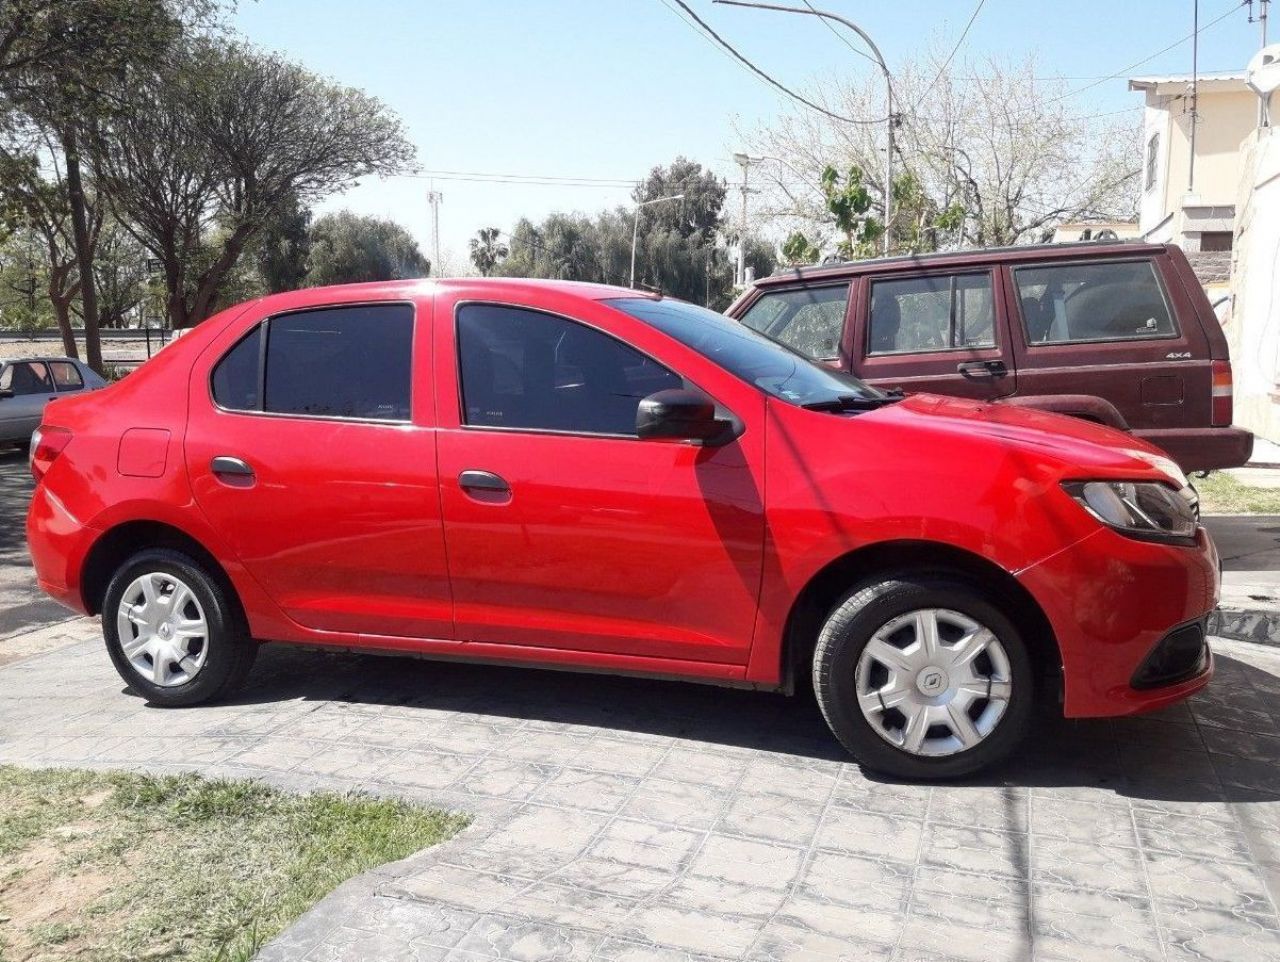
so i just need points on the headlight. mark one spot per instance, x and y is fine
(1140, 509)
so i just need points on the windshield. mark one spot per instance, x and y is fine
(770, 366)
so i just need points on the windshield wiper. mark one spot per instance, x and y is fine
(854, 402)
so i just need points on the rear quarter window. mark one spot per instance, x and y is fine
(1081, 303)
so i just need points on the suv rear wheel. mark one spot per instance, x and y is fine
(922, 677)
(174, 633)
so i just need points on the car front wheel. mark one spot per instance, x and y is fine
(174, 632)
(923, 677)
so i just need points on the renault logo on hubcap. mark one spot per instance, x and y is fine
(932, 681)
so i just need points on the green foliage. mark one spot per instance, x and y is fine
(347, 249)
(798, 250)
(920, 225)
(284, 246)
(848, 201)
(487, 251)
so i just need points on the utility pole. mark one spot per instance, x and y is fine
(434, 197)
(888, 80)
(745, 161)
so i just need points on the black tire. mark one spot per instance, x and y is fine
(848, 630)
(231, 651)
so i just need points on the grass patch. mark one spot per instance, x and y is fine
(101, 866)
(1221, 493)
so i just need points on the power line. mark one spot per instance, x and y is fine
(1139, 63)
(947, 63)
(529, 181)
(760, 73)
(623, 181)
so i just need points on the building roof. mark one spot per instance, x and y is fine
(1148, 83)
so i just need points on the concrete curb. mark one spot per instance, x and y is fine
(1261, 627)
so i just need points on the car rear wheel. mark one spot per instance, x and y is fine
(174, 632)
(923, 677)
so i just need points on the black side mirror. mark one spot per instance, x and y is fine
(5, 393)
(678, 414)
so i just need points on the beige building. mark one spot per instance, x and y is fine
(1190, 199)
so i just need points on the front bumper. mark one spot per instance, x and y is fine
(1111, 601)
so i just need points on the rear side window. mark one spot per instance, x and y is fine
(66, 375)
(338, 362)
(1118, 301)
(942, 312)
(809, 321)
(523, 369)
(26, 377)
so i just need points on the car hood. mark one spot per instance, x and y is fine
(1083, 448)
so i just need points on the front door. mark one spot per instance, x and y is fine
(25, 388)
(566, 531)
(942, 332)
(311, 449)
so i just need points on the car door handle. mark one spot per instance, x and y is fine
(982, 368)
(227, 466)
(483, 481)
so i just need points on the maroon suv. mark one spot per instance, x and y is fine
(1118, 333)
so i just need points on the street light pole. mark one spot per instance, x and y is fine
(888, 79)
(635, 229)
(744, 161)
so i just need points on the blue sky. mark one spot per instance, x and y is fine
(608, 88)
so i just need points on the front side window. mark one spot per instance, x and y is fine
(942, 312)
(1118, 301)
(334, 362)
(808, 320)
(522, 369)
(772, 367)
(26, 377)
(66, 375)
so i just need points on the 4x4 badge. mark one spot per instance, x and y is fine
(1177, 355)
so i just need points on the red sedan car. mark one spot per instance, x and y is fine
(587, 477)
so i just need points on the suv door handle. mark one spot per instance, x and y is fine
(982, 368)
(482, 481)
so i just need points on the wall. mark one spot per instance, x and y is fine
(1253, 329)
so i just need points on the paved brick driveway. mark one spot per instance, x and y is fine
(622, 819)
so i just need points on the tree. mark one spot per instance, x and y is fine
(283, 248)
(348, 249)
(487, 251)
(798, 250)
(848, 203)
(989, 153)
(219, 142)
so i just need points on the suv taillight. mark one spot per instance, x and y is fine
(46, 444)
(1221, 411)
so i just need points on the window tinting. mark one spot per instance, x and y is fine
(1117, 301)
(525, 369)
(937, 313)
(344, 362)
(66, 375)
(26, 377)
(810, 320)
(235, 379)
(777, 370)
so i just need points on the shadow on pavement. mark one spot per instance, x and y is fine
(1213, 748)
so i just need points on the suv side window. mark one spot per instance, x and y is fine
(26, 377)
(334, 362)
(1072, 303)
(941, 312)
(808, 320)
(522, 369)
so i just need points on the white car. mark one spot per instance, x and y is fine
(27, 384)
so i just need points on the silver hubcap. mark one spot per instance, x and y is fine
(162, 630)
(933, 682)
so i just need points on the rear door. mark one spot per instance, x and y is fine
(1112, 329)
(943, 332)
(32, 388)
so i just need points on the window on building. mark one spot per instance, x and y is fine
(1117, 301)
(1216, 240)
(523, 369)
(936, 313)
(808, 320)
(1153, 151)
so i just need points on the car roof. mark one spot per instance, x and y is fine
(39, 357)
(963, 258)
(473, 286)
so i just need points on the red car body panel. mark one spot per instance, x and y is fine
(610, 553)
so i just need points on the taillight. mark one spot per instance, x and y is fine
(46, 444)
(1221, 411)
